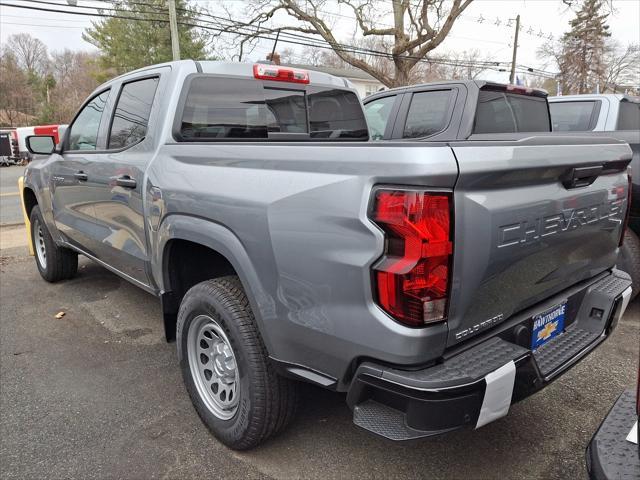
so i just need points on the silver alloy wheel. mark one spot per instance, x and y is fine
(39, 245)
(213, 366)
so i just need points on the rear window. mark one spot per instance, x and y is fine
(428, 113)
(500, 112)
(574, 116)
(629, 116)
(224, 109)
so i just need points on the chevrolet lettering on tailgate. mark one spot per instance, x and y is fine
(529, 231)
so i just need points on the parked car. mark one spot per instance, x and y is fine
(436, 282)
(614, 451)
(617, 116)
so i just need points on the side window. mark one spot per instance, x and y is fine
(428, 113)
(571, 116)
(629, 116)
(129, 124)
(377, 113)
(84, 131)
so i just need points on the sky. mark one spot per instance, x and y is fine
(483, 26)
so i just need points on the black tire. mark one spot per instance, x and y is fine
(629, 259)
(58, 263)
(267, 401)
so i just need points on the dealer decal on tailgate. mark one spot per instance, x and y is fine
(548, 325)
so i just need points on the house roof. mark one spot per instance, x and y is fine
(350, 73)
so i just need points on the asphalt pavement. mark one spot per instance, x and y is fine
(98, 394)
(9, 200)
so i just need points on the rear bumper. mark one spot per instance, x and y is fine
(609, 454)
(475, 386)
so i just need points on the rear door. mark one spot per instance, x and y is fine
(118, 173)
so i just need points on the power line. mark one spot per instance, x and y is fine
(235, 29)
(265, 36)
(41, 25)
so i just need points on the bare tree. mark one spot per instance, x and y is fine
(75, 76)
(15, 90)
(464, 65)
(419, 26)
(30, 52)
(622, 67)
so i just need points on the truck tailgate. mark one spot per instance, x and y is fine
(528, 222)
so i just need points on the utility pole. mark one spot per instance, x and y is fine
(512, 77)
(173, 24)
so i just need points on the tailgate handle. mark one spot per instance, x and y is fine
(581, 176)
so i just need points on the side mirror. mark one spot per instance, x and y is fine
(40, 144)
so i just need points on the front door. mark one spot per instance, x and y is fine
(72, 188)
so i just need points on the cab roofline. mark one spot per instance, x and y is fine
(241, 69)
(475, 84)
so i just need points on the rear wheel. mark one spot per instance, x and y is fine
(629, 259)
(54, 263)
(224, 363)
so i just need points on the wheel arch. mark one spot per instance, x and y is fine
(175, 235)
(30, 200)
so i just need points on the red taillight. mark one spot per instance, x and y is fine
(280, 74)
(412, 277)
(625, 222)
(519, 89)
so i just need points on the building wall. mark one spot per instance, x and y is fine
(365, 87)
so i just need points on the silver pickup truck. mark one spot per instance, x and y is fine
(436, 279)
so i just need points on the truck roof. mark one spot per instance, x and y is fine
(474, 84)
(242, 69)
(596, 96)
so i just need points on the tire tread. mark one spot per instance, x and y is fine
(62, 263)
(275, 397)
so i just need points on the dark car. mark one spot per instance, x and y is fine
(614, 452)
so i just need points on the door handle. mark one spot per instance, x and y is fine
(126, 181)
(581, 176)
(81, 176)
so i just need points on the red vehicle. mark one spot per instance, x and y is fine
(55, 131)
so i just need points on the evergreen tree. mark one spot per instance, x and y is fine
(127, 44)
(582, 56)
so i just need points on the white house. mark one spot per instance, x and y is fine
(364, 83)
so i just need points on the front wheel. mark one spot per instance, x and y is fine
(54, 263)
(234, 388)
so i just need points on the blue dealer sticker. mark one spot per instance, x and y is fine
(548, 325)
